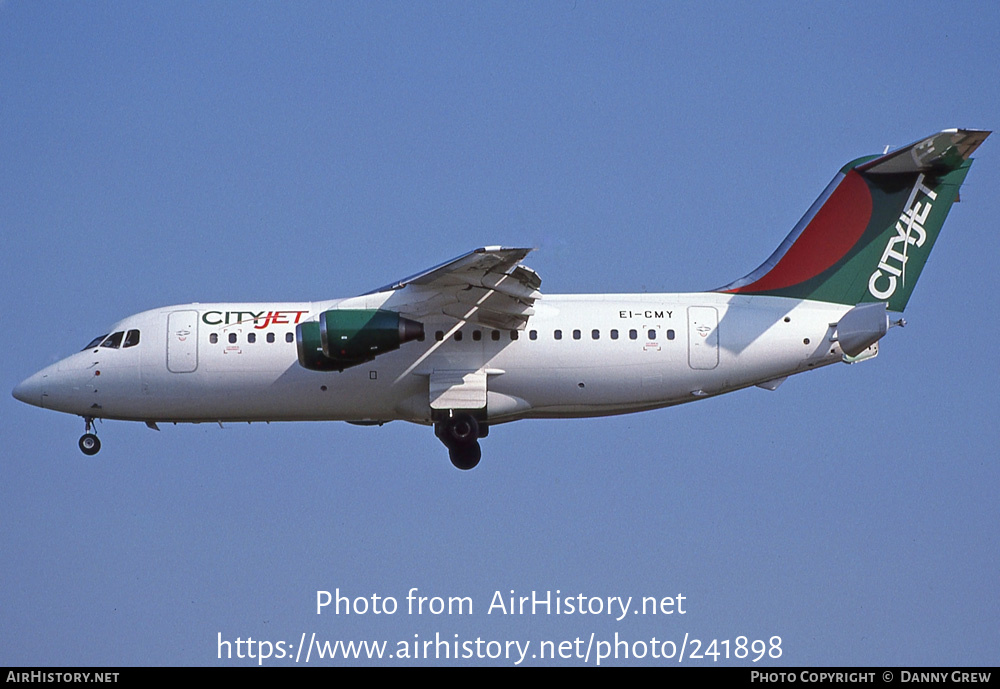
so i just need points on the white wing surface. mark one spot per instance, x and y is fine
(487, 286)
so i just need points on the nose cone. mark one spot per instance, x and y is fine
(29, 391)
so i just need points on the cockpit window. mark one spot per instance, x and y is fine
(96, 341)
(115, 341)
(131, 339)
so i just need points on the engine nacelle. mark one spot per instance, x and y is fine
(347, 337)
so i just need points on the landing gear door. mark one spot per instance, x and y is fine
(182, 341)
(703, 337)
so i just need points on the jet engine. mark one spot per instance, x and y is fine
(342, 338)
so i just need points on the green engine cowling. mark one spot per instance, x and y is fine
(348, 337)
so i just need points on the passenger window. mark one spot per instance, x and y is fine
(232, 338)
(270, 338)
(533, 335)
(439, 335)
(115, 341)
(131, 339)
(596, 334)
(576, 334)
(633, 334)
(513, 334)
(251, 337)
(558, 334)
(96, 341)
(670, 334)
(477, 335)
(214, 338)
(652, 334)
(495, 335)
(458, 336)
(614, 334)
(289, 337)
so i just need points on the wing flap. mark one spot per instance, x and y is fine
(489, 317)
(487, 286)
(506, 284)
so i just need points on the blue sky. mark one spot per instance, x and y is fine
(175, 152)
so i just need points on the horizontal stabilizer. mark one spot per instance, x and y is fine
(941, 152)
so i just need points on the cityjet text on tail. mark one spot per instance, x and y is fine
(473, 342)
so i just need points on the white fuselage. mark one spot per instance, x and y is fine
(617, 353)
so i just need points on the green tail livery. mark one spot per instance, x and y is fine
(868, 236)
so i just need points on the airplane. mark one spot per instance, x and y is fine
(472, 342)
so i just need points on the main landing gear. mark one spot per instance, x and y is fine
(460, 432)
(89, 442)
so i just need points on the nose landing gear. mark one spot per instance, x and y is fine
(90, 444)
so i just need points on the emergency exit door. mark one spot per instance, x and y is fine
(703, 337)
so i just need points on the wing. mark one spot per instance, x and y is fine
(488, 286)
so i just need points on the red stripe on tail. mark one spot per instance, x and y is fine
(835, 228)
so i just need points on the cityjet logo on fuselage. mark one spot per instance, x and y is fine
(260, 319)
(909, 231)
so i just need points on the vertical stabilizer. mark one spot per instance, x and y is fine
(868, 236)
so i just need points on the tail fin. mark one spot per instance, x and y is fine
(867, 237)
